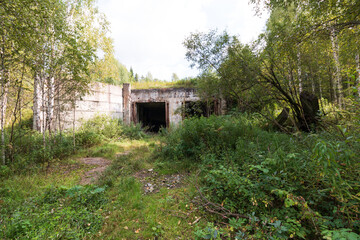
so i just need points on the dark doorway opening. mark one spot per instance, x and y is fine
(152, 116)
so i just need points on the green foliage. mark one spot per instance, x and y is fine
(343, 234)
(106, 127)
(158, 230)
(102, 125)
(209, 232)
(133, 131)
(87, 138)
(294, 186)
(198, 136)
(4, 170)
(59, 212)
(110, 70)
(29, 151)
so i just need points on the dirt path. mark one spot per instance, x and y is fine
(92, 175)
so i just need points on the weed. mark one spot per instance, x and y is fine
(296, 185)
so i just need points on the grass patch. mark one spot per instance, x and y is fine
(49, 203)
(39, 205)
(166, 214)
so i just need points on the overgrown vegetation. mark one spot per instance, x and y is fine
(40, 196)
(268, 184)
(56, 213)
(187, 83)
(241, 182)
(36, 151)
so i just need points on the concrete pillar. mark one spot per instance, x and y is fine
(126, 102)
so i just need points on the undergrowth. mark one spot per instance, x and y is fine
(254, 184)
(303, 186)
(57, 213)
(32, 151)
(39, 195)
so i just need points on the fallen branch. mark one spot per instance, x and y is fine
(216, 208)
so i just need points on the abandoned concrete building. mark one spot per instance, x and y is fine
(153, 108)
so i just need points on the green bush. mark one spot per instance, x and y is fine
(133, 131)
(102, 125)
(306, 183)
(197, 136)
(87, 138)
(107, 127)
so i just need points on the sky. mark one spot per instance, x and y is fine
(149, 34)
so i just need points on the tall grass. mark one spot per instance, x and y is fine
(30, 151)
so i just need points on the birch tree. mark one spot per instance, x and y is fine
(51, 44)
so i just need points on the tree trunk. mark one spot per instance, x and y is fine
(335, 48)
(4, 81)
(312, 84)
(333, 96)
(358, 73)
(37, 103)
(4, 91)
(310, 107)
(320, 88)
(43, 112)
(74, 119)
(50, 104)
(281, 118)
(299, 72)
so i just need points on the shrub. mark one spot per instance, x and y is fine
(87, 138)
(306, 183)
(102, 125)
(197, 136)
(133, 131)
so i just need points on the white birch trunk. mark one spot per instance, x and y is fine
(3, 98)
(4, 91)
(43, 112)
(335, 48)
(37, 104)
(299, 71)
(50, 103)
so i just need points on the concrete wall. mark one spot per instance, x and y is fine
(120, 102)
(173, 97)
(102, 99)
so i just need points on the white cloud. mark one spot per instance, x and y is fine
(148, 34)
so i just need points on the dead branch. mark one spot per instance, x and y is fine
(216, 208)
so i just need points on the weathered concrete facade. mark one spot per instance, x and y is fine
(102, 99)
(158, 107)
(174, 99)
